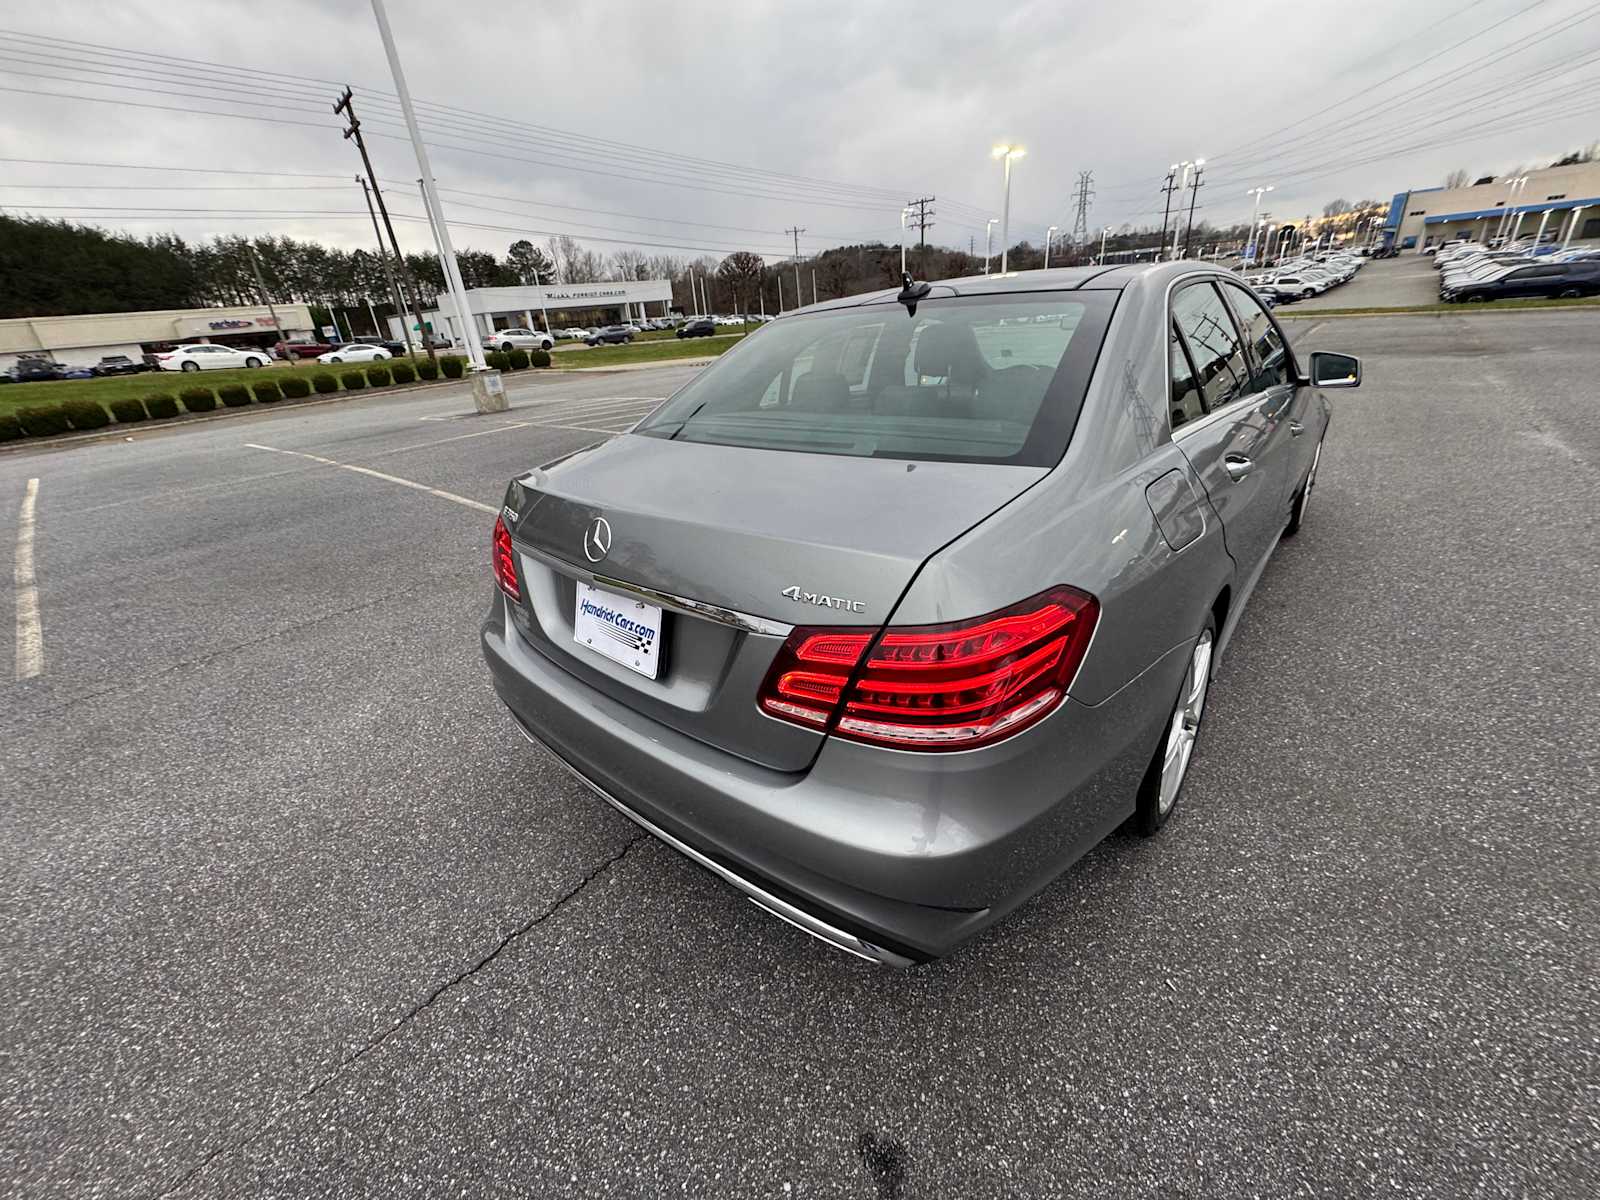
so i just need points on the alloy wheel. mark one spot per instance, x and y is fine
(1185, 725)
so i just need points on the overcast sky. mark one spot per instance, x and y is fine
(827, 114)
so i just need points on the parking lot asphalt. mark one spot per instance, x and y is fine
(1381, 283)
(291, 911)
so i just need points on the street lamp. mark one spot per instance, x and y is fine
(1007, 154)
(1255, 212)
(988, 241)
(1049, 234)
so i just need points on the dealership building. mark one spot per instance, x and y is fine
(82, 340)
(553, 306)
(1560, 204)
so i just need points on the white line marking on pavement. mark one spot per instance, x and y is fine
(460, 437)
(30, 634)
(407, 483)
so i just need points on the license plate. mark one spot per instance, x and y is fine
(625, 630)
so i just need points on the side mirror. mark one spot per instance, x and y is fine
(1330, 370)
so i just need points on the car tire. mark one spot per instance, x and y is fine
(1308, 293)
(1164, 778)
(1477, 299)
(252, 362)
(1302, 498)
(1569, 294)
(335, 361)
(189, 366)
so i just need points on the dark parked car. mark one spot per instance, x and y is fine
(293, 350)
(118, 364)
(892, 614)
(611, 333)
(37, 370)
(1580, 278)
(699, 327)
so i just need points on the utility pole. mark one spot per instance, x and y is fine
(1194, 190)
(1081, 197)
(1168, 187)
(923, 225)
(345, 108)
(395, 298)
(813, 285)
(255, 270)
(799, 295)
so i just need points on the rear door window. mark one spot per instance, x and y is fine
(1208, 329)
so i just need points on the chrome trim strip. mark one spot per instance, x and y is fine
(782, 909)
(683, 604)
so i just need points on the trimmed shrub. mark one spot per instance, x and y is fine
(268, 391)
(234, 395)
(378, 375)
(42, 420)
(324, 383)
(86, 414)
(428, 370)
(497, 360)
(161, 404)
(128, 410)
(539, 358)
(198, 399)
(453, 368)
(353, 381)
(404, 372)
(519, 359)
(10, 427)
(296, 386)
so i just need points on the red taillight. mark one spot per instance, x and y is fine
(935, 687)
(505, 560)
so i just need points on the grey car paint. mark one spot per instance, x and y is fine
(895, 854)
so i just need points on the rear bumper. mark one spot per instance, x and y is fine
(894, 857)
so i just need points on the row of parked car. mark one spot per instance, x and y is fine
(1477, 271)
(1303, 278)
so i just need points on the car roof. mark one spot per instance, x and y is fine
(1056, 279)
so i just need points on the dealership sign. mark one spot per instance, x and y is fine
(237, 323)
(594, 294)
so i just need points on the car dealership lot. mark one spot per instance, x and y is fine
(291, 910)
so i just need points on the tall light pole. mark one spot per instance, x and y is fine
(1512, 192)
(1049, 236)
(904, 213)
(988, 241)
(1255, 213)
(1007, 154)
(1168, 187)
(489, 395)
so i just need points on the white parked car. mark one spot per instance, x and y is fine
(354, 352)
(518, 339)
(574, 333)
(207, 356)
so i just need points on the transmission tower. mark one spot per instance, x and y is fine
(1081, 197)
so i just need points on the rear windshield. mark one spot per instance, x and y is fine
(989, 379)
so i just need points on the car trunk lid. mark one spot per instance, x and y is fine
(786, 538)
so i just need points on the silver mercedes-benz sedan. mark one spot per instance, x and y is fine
(894, 612)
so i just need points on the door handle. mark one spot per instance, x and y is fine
(1296, 428)
(1237, 466)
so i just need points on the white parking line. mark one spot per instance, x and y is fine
(30, 634)
(407, 483)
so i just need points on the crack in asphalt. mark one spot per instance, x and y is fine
(355, 1057)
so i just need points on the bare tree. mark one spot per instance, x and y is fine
(1336, 208)
(1458, 178)
(741, 271)
(631, 264)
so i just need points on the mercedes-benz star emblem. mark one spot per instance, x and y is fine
(597, 540)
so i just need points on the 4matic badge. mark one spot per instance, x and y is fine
(800, 596)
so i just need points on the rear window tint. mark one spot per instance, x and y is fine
(986, 379)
